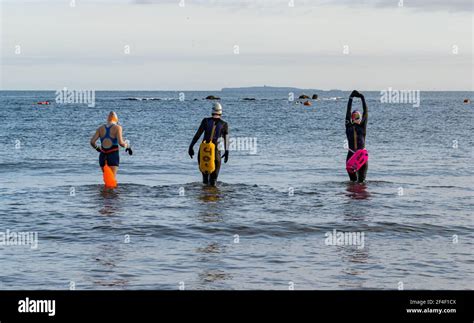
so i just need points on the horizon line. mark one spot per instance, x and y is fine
(221, 90)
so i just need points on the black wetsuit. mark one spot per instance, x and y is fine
(222, 130)
(356, 138)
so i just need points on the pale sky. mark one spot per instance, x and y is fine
(422, 45)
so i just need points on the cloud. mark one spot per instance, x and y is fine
(425, 5)
(442, 5)
(431, 5)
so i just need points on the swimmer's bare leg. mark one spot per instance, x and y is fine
(114, 169)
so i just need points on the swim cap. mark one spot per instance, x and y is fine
(217, 108)
(356, 117)
(112, 118)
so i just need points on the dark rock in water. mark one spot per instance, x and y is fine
(248, 99)
(303, 97)
(315, 97)
(195, 100)
(212, 97)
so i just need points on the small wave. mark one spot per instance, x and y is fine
(335, 98)
(142, 99)
(282, 229)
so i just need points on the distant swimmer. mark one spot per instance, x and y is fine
(209, 157)
(110, 135)
(356, 128)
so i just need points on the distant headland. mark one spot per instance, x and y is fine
(272, 88)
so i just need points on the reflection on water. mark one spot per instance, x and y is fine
(355, 257)
(112, 283)
(213, 247)
(357, 191)
(355, 262)
(106, 261)
(210, 217)
(211, 211)
(110, 199)
(354, 215)
(212, 255)
(107, 257)
(210, 194)
(211, 276)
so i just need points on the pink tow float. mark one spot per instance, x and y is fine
(357, 160)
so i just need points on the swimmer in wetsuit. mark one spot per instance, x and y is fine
(110, 135)
(221, 130)
(356, 128)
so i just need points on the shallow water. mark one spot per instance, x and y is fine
(264, 226)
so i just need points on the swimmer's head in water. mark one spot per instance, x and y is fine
(216, 109)
(112, 118)
(356, 117)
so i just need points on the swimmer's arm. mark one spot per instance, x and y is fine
(225, 133)
(349, 110)
(198, 134)
(121, 142)
(94, 139)
(366, 111)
